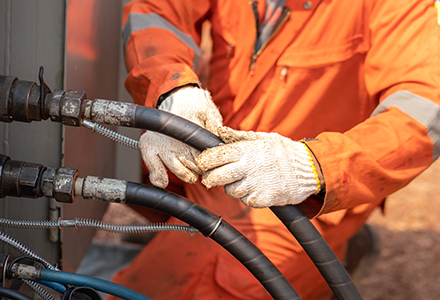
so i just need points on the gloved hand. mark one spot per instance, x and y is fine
(158, 150)
(261, 169)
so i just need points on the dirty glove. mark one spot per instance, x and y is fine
(158, 150)
(261, 169)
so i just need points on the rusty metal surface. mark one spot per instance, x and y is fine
(71, 107)
(104, 189)
(113, 113)
(5, 87)
(63, 185)
(47, 182)
(26, 272)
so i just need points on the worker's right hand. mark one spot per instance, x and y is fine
(158, 150)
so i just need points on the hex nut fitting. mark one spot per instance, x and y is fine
(47, 182)
(71, 107)
(29, 180)
(54, 103)
(64, 185)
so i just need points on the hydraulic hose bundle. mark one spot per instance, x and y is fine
(292, 217)
(72, 108)
(64, 183)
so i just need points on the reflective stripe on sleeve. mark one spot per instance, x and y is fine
(137, 21)
(419, 108)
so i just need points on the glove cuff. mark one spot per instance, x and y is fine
(314, 170)
(306, 176)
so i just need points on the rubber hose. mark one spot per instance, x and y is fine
(12, 294)
(176, 127)
(53, 285)
(220, 231)
(319, 251)
(324, 258)
(95, 283)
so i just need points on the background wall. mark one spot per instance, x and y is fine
(32, 35)
(79, 44)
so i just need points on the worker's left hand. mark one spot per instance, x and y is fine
(160, 152)
(261, 169)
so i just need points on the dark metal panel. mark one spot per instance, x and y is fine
(31, 35)
(92, 65)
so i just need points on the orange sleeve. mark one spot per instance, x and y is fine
(161, 46)
(384, 153)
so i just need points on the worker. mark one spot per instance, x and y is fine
(328, 105)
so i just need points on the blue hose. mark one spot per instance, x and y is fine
(54, 286)
(98, 284)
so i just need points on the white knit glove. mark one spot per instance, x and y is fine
(261, 169)
(158, 150)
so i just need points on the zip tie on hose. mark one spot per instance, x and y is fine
(217, 225)
(88, 223)
(114, 136)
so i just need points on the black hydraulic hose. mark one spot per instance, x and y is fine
(292, 217)
(210, 225)
(175, 127)
(319, 251)
(12, 294)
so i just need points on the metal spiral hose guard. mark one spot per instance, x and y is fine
(37, 288)
(114, 136)
(88, 223)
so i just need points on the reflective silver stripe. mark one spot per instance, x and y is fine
(419, 108)
(137, 21)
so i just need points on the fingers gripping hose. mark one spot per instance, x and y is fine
(291, 216)
(175, 127)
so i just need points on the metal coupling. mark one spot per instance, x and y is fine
(20, 100)
(20, 179)
(22, 271)
(60, 184)
(64, 185)
(111, 112)
(101, 189)
(67, 107)
(26, 101)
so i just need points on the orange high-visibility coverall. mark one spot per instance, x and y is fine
(328, 67)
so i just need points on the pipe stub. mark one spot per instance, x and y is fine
(81, 293)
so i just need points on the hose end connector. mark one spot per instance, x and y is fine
(22, 100)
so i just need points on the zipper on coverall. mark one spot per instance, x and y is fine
(256, 52)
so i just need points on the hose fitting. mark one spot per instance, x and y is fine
(20, 100)
(22, 179)
(101, 189)
(23, 271)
